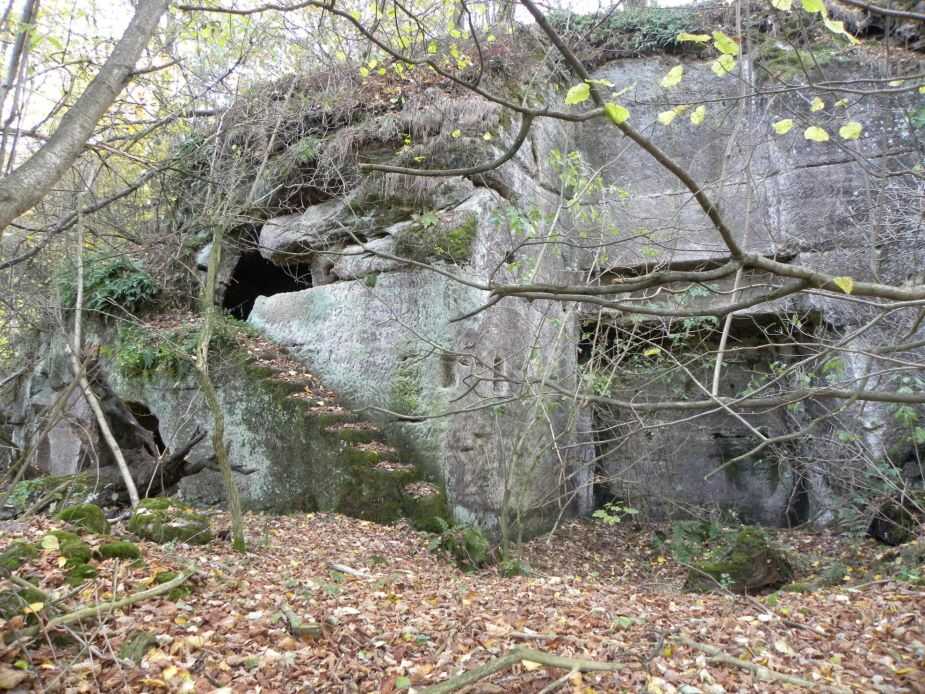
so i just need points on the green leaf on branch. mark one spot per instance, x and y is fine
(782, 127)
(578, 94)
(816, 134)
(783, 5)
(696, 38)
(723, 65)
(616, 113)
(846, 284)
(850, 130)
(698, 114)
(673, 78)
(813, 6)
(724, 44)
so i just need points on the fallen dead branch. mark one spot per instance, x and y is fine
(298, 627)
(515, 656)
(99, 610)
(760, 671)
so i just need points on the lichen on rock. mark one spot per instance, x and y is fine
(164, 520)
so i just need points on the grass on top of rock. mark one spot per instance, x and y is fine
(431, 238)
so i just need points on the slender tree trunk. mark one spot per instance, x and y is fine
(80, 374)
(28, 184)
(211, 396)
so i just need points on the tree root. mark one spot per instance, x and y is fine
(760, 671)
(514, 657)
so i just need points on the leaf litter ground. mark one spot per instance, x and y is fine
(402, 617)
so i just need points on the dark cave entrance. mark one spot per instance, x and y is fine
(254, 276)
(149, 421)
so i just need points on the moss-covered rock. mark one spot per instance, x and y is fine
(431, 237)
(163, 520)
(72, 548)
(87, 516)
(122, 549)
(16, 555)
(897, 519)
(745, 562)
(425, 506)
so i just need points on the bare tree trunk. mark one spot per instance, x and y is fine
(23, 188)
(79, 373)
(211, 396)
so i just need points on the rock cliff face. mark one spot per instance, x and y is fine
(380, 290)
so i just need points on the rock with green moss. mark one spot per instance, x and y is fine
(744, 562)
(433, 237)
(163, 520)
(53, 488)
(16, 555)
(122, 549)
(87, 516)
(425, 506)
(72, 548)
(897, 520)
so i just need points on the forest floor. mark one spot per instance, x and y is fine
(404, 618)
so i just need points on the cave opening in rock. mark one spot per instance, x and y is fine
(253, 276)
(146, 418)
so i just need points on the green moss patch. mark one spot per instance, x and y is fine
(16, 555)
(12, 602)
(78, 574)
(87, 516)
(164, 520)
(431, 238)
(137, 645)
(123, 549)
(178, 593)
(466, 544)
(72, 548)
(744, 562)
(60, 488)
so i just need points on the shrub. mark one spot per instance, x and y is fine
(109, 283)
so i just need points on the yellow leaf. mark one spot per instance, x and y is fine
(673, 78)
(364, 72)
(841, 103)
(169, 672)
(850, 130)
(34, 607)
(837, 27)
(456, 134)
(651, 352)
(698, 114)
(616, 113)
(816, 134)
(846, 284)
(816, 104)
(61, 561)
(487, 137)
(813, 6)
(785, 5)
(530, 665)
(723, 65)
(50, 542)
(724, 44)
(372, 64)
(895, 83)
(922, 89)
(665, 117)
(696, 38)
(782, 127)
